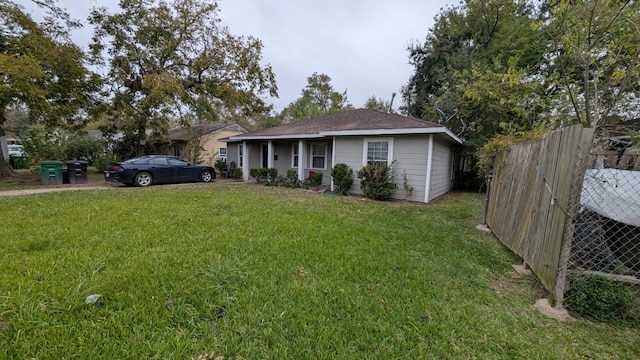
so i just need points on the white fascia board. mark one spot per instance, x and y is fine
(276, 137)
(409, 131)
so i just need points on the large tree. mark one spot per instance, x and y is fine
(318, 98)
(41, 70)
(475, 63)
(506, 66)
(593, 58)
(173, 61)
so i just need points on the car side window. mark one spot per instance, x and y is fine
(178, 162)
(158, 161)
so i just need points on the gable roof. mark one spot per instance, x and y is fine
(195, 131)
(349, 122)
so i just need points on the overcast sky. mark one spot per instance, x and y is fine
(360, 44)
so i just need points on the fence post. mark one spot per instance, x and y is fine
(486, 199)
(573, 206)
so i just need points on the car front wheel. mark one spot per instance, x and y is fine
(143, 179)
(206, 176)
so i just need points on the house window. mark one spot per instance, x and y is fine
(240, 155)
(222, 154)
(377, 150)
(317, 156)
(294, 155)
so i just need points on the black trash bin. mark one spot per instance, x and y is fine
(77, 171)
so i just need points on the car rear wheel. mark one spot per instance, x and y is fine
(143, 179)
(206, 176)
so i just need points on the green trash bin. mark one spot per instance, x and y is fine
(51, 172)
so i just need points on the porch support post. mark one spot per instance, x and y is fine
(245, 161)
(270, 154)
(333, 160)
(301, 157)
(427, 185)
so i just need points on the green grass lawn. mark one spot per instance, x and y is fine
(253, 272)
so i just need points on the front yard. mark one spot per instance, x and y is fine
(253, 272)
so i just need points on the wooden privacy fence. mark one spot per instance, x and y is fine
(532, 204)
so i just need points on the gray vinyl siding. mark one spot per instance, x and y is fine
(411, 153)
(349, 151)
(282, 150)
(441, 181)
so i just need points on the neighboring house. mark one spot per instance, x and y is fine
(208, 136)
(425, 151)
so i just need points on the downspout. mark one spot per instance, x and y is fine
(427, 186)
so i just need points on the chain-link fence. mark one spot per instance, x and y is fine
(603, 265)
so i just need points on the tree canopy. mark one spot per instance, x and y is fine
(506, 66)
(41, 69)
(318, 98)
(175, 62)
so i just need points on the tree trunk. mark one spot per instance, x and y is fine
(5, 169)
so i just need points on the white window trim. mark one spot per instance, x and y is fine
(222, 156)
(310, 155)
(295, 151)
(365, 148)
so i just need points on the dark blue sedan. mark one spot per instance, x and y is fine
(157, 169)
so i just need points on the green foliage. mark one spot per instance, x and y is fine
(264, 175)
(292, 180)
(488, 154)
(260, 174)
(316, 179)
(236, 173)
(194, 150)
(408, 189)
(318, 98)
(342, 176)
(377, 180)
(177, 63)
(80, 146)
(101, 162)
(42, 70)
(221, 166)
(600, 299)
(41, 144)
(506, 66)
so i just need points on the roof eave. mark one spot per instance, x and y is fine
(403, 131)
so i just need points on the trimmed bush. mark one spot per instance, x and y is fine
(600, 299)
(236, 173)
(342, 176)
(376, 180)
(258, 173)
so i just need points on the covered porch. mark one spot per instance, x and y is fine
(305, 156)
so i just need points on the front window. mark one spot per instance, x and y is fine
(240, 154)
(317, 156)
(377, 150)
(294, 156)
(222, 154)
